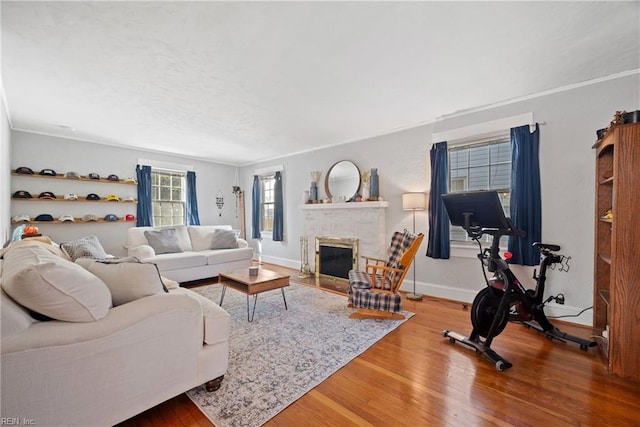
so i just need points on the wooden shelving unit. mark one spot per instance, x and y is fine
(80, 178)
(62, 199)
(80, 199)
(75, 221)
(617, 249)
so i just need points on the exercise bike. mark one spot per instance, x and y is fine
(504, 299)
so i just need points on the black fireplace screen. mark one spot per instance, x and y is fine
(336, 261)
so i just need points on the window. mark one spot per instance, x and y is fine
(168, 197)
(484, 165)
(268, 202)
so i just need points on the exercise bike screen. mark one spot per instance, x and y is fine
(484, 206)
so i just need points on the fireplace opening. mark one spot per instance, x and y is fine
(335, 256)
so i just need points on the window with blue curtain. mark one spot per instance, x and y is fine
(438, 245)
(267, 214)
(526, 198)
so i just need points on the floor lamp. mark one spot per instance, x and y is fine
(414, 202)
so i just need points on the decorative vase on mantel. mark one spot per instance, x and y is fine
(364, 191)
(374, 189)
(313, 190)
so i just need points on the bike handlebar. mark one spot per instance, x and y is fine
(503, 232)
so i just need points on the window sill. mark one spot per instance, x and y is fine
(468, 250)
(266, 235)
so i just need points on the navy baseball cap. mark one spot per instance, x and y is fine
(47, 195)
(44, 217)
(48, 172)
(23, 170)
(110, 217)
(21, 194)
(93, 196)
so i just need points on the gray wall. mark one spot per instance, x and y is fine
(567, 167)
(64, 155)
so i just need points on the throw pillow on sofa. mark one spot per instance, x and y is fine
(53, 286)
(127, 278)
(224, 239)
(86, 247)
(164, 241)
(202, 235)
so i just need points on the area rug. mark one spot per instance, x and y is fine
(283, 354)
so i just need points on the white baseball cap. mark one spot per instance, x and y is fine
(66, 217)
(71, 196)
(21, 217)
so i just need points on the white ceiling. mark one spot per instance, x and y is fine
(239, 82)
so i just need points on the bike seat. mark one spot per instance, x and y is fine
(546, 246)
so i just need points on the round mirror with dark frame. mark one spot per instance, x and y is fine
(342, 182)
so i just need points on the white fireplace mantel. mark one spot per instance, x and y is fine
(364, 221)
(345, 205)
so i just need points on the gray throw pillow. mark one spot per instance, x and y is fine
(224, 239)
(127, 278)
(163, 241)
(86, 247)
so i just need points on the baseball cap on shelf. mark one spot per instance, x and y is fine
(129, 199)
(44, 217)
(93, 175)
(113, 177)
(130, 180)
(47, 195)
(21, 218)
(113, 198)
(23, 170)
(130, 217)
(90, 217)
(21, 194)
(65, 218)
(48, 172)
(93, 196)
(72, 175)
(70, 196)
(110, 217)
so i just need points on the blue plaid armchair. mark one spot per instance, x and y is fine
(375, 291)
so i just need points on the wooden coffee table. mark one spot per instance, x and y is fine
(266, 280)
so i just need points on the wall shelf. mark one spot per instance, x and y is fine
(80, 199)
(81, 178)
(345, 205)
(76, 221)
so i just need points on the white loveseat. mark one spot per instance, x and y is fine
(202, 253)
(101, 364)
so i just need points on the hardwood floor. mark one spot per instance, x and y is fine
(415, 377)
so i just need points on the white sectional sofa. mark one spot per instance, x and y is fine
(192, 252)
(101, 360)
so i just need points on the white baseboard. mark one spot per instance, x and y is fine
(467, 295)
(285, 262)
(462, 295)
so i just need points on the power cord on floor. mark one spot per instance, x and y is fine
(570, 315)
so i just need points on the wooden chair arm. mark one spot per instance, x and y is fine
(373, 269)
(377, 260)
(384, 268)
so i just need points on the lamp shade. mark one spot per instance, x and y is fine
(414, 201)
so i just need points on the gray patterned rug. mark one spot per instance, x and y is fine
(282, 355)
